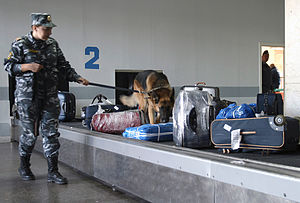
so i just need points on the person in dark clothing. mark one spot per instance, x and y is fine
(275, 77)
(266, 73)
(35, 60)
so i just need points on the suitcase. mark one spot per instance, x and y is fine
(67, 106)
(213, 91)
(87, 112)
(151, 132)
(192, 114)
(274, 133)
(116, 122)
(269, 103)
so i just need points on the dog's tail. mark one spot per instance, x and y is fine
(130, 101)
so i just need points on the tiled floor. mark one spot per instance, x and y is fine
(79, 189)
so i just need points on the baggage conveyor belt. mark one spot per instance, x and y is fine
(282, 158)
(162, 172)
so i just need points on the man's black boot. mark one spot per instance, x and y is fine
(53, 175)
(24, 170)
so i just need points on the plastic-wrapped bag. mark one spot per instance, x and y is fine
(253, 106)
(192, 114)
(87, 112)
(244, 111)
(223, 112)
(151, 132)
(116, 122)
(234, 111)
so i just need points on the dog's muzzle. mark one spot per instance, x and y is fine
(165, 114)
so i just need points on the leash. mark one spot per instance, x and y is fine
(126, 89)
(117, 88)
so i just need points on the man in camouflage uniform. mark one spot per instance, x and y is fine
(36, 60)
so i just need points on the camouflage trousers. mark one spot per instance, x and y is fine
(34, 114)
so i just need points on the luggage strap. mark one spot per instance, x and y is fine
(158, 133)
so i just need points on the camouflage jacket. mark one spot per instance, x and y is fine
(47, 53)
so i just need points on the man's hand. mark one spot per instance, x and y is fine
(83, 81)
(33, 67)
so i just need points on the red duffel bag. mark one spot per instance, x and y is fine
(116, 122)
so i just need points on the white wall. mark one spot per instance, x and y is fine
(215, 41)
(292, 63)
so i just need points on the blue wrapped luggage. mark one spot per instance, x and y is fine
(234, 111)
(151, 132)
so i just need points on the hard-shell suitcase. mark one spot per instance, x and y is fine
(217, 103)
(116, 122)
(213, 91)
(67, 106)
(264, 133)
(151, 132)
(192, 114)
(269, 103)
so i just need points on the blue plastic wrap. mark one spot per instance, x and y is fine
(151, 132)
(223, 112)
(234, 111)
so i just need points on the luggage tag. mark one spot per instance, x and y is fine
(227, 127)
(116, 108)
(236, 139)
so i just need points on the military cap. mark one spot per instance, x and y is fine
(43, 19)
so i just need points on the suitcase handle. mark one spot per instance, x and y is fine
(63, 106)
(200, 83)
(99, 97)
(201, 87)
(248, 132)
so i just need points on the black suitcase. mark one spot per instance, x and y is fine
(67, 106)
(192, 114)
(269, 103)
(87, 112)
(273, 133)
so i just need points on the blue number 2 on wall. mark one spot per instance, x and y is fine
(91, 63)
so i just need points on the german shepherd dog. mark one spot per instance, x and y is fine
(156, 97)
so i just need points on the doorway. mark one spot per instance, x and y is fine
(276, 57)
(125, 78)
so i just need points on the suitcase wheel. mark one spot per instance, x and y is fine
(225, 151)
(279, 120)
